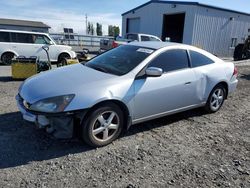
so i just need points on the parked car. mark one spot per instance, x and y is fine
(127, 85)
(15, 43)
(107, 44)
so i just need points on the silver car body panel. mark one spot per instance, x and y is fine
(145, 99)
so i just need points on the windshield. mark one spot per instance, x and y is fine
(121, 60)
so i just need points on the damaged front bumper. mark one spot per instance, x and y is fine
(61, 125)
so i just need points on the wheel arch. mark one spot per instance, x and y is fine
(120, 104)
(63, 53)
(225, 85)
(9, 51)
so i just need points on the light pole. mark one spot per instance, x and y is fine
(86, 20)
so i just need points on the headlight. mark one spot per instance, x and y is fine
(53, 104)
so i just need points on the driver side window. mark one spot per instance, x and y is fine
(171, 60)
(40, 39)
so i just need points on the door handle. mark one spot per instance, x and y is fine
(188, 83)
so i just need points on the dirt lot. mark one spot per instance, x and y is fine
(190, 149)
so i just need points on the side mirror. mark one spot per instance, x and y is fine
(50, 43)
(154, 72)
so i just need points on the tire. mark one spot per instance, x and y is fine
(216, 99)
(62, 60)
(103, 125)
(7, 58)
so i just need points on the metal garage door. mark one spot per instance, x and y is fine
(133, 25)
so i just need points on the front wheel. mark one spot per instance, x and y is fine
(62, 60)
(103, 125)
(216, 99)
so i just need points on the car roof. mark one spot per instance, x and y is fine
(155, 44)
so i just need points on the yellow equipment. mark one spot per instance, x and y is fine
(71, 61)
(23, 68)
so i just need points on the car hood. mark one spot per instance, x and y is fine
(62, 81)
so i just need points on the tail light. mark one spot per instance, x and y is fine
(235, 72)
(114, 44)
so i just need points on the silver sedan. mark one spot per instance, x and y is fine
(125, 86)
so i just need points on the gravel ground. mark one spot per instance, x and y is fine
(190, 149)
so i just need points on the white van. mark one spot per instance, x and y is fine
(24, 43)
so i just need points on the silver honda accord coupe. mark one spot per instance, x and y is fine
(130, 84)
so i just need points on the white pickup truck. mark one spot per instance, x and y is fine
(107, 44)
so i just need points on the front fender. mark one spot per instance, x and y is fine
(70, 52)
(94, 94)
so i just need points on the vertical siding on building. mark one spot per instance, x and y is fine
(213, 30)
(208, 28)
(151, 19)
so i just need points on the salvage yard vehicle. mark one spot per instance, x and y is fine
(107, 44)
(127, 85)
(23, 43)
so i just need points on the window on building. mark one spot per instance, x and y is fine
(171, 60)
(198, 59)
(4, 37)
(233, 42)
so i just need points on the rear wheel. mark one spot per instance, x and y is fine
(103, 125)
(62, 60)
(216, 99)
(7, 58)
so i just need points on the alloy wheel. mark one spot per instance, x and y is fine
(105, 126)
(217, 99)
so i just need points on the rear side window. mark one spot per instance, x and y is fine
(21, 38)
(198, 59)
(132, 37)
(145, 38)
(4, 37)
(171, 60)
(154, 39)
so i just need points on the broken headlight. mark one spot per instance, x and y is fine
(52, 104)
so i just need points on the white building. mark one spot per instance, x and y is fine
(214, 29)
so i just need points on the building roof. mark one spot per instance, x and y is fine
(186, 3)
(4, 21)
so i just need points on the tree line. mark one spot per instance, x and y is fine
(113, 30)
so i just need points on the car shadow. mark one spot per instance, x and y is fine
(6, 79)
(10, 79)
(245, 76)
(22, 143)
